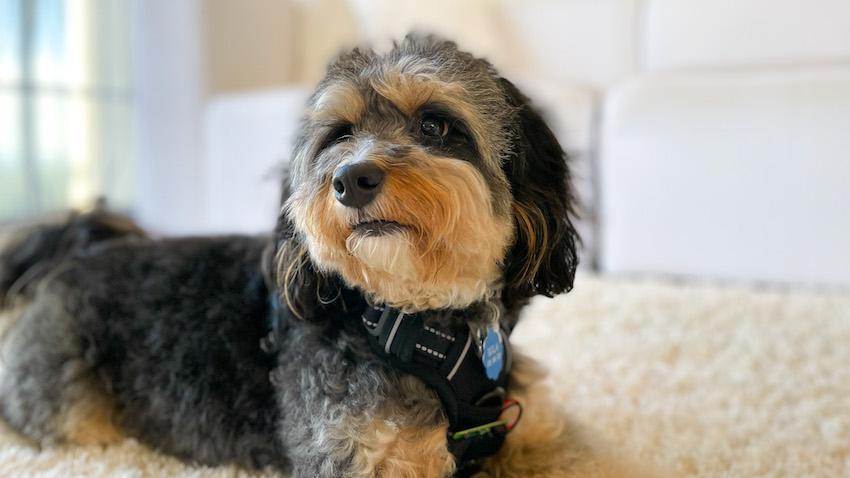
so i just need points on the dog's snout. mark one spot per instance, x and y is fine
(357, 184)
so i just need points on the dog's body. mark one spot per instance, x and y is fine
(464, 206)
(165, 333)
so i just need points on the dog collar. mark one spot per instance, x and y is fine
(467, 366)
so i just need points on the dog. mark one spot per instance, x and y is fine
(427, 200)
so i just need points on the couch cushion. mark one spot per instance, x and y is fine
(729, 174)
(688, 33)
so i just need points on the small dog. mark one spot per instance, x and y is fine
(425, 188)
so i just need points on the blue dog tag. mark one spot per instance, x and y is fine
(493, 353)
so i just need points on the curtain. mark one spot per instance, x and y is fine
(66, 101)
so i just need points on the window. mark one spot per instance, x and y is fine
(65, 105)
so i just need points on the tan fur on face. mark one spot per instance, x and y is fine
(449, 256)
(409, 92)
(338, 102)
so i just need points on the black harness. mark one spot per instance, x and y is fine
(466, 366)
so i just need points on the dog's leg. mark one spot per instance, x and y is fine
(383, 448)
(48, 392)
(359, 422)
(546, 442)
(371, 446)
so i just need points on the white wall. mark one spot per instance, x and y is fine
(185, 54)
(170, 92)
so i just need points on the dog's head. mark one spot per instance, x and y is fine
(423, 178)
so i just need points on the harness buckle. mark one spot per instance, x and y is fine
(479, 431)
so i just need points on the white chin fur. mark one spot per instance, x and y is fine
(390, 253)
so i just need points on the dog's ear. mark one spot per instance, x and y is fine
(543, 257)
(287, 265)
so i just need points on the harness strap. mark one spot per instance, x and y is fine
(450, 361)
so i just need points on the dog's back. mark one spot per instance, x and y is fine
(28, 255)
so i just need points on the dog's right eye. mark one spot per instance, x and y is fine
(434, 127)
(339, 134)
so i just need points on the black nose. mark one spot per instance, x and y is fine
(357, 184)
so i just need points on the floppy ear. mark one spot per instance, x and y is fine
(288, 268)
(543, 257)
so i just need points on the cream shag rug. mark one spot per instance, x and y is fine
(701, 380)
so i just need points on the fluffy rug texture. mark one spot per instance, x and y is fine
(699, 380)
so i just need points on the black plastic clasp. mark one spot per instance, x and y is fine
(396, 333)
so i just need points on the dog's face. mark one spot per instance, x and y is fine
(415, 179)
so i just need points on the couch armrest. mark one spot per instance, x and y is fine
(729, 174)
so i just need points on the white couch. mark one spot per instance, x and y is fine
(711, 137)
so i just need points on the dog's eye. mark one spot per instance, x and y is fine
(339, 134)
(342, 132)
(433, 127)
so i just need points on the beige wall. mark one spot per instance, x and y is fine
(248, 44)
(324, 28)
